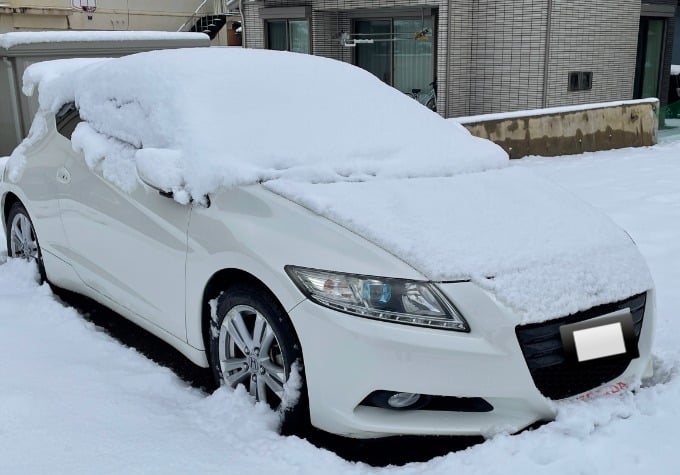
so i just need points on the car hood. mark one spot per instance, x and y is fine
(536, 247)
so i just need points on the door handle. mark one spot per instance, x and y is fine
(63, 176)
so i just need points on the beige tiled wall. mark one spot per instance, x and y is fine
(593, 36)
(491, 54)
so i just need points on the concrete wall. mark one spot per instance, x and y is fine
(565, 131)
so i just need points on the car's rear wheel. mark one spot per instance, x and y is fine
(253, 343)
(22, 241)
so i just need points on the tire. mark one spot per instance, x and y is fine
(263, 363)
(22, 241)
(432, 104)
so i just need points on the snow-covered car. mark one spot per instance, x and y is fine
(346, 254)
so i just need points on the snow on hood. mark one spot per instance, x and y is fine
(229, 116)
(536, 247)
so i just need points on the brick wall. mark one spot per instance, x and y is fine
(254, 27)
(491, 53)
(508, 55)
(593, 36)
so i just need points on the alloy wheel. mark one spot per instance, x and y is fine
(250, 354)
(23, 243)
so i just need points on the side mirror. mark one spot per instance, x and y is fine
(160, 169)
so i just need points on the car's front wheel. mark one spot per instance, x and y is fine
(253, 343)
(22, 241)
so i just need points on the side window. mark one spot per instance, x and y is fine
(288, 35)
(67, 119)
(288, 28)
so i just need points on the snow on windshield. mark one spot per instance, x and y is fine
(220, 117)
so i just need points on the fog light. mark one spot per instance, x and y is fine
(403, 400)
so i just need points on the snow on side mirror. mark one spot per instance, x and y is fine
(161, 169)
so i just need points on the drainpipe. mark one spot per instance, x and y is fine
(546, 60)
(14, 101)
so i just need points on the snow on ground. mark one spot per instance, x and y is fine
(106, 409)
(670, 132)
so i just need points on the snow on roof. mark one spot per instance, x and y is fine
(675, 70)
(229, 116)
(9, 40)
(538, 248)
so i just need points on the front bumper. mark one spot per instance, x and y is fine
(347, 358)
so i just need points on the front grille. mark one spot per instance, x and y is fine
(559, 378)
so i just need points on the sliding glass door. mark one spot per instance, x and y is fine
(375, 57)
(399, 51)
(651, 41)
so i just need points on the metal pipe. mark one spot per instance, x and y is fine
(546, 60)
(181, 28)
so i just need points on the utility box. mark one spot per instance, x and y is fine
(19, 50)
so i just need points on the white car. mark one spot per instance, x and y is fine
(281, 217)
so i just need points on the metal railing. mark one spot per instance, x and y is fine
(199, 12)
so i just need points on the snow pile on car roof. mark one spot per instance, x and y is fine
(212, 117)
(539, 249)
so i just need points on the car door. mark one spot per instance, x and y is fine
(40, 187)
(129, 247)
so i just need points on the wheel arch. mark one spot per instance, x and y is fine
(222, 280)
(7, 202)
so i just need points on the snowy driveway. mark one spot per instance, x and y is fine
(73, 400)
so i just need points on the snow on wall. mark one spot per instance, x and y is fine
(549, 111)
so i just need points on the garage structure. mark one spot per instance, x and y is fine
(17, 53)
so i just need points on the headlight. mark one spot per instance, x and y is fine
(380, 298)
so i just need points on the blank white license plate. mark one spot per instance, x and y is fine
(599, 342)
(602, 337)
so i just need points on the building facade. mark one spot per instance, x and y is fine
(485, 56)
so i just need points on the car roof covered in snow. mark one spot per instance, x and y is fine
(228, 116)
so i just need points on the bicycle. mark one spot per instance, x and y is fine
(429, 99)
